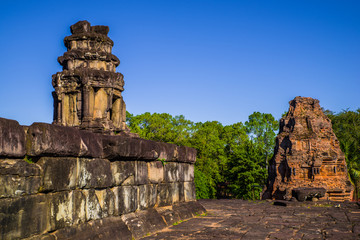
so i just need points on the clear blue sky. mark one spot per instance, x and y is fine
(208, 60)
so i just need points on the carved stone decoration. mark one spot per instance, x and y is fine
(88, 91)
(307, 155)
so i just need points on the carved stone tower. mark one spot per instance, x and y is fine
(88, 91)
(307, 154)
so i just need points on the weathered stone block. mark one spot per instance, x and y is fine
(188, 209)
(171, 172)
(107, 202)
(141, 173)
(115, 147)
(78, 200)
(126, 199)
(58, 173)
(94, 173)
(51, 140)
(17, 177)
(175, 192)
(181, 192)
(80, 27)
(182, 210)
(91, 144)
(188, 172)
(12, 140)
(107, 228)
(15, 186)
(123, 172)
(155, 171)
(165, 197)
(152, 219)
(189, 191)
(93, 207)
(60, 210)
(135, 224)
(169, 215)
(147, 196)
(22, 217)
(186, 154)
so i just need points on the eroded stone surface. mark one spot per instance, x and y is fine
(12, 141)
(307, 154)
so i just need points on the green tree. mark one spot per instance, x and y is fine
(161, 127)
(346, 125)
(211, 161)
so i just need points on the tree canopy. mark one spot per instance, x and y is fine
(231, 160)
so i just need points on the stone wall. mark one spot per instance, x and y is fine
(62, 183)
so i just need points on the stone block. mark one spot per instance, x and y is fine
(186, 154)
(155, 171)
(141, 173)
(165, 197)
(108, 228)
(92, 207)
(181, 192)
(12, 141)
(23, 217)
(18, 177)
(80, 27)
(60, 210)
(116, 147)
(66, 209)
(58, 173)
(91, 144)
(152, 219)
(136, 225)
(171, 172)
(106, 200)
(94, 173)
(189, 191)
(126, 199)
(78, 199)
(175, 192)
(188, 172)
(147, 196)
(44, 139)
(123, 172)
(169, 215)
(182, 210)
(188, 209)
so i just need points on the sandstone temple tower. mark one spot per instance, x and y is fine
(307, 154)
(88, 91)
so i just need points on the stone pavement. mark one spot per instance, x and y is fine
(241, 219)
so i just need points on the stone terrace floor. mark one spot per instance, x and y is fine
(241, 219)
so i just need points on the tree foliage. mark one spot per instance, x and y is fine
(346, 125)
(233, 156)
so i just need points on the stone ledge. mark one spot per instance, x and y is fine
(44, 139)
(128, 226)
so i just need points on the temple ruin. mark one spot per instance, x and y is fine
(307, 155)
(88, 91)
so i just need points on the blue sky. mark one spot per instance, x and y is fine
(207, 60)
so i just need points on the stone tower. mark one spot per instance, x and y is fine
(88, 91)
(307, 154)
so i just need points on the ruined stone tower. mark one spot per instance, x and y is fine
(307, 154)
(88, 91)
